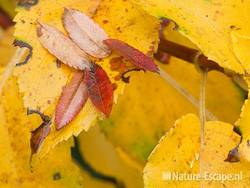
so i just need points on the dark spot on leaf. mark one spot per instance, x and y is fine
(22, 44)
(58, 63)
(105, 21)
(57, 176)
(248, 143)
(233, 27)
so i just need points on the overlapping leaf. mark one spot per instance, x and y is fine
(133, 132)
(41, 81)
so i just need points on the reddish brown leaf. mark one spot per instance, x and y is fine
(38, 136)
(5, 20)
(62, 47)
(100, 89)
(130, 53)
(73, 98)
(87, 34)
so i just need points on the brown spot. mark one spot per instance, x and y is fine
(114, 86)
(105, 21)
(248, 143)
(57, 176)
(58, 63)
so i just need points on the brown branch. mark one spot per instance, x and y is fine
(188, 54)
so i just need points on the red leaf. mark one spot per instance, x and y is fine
(38, 136)
(138, 58)
(73, 98)
(100, 89)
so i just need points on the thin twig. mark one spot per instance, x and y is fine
(188, 54)
(9, 69)
(184, 93)
(202, 113)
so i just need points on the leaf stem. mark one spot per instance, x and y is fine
(9, 69)
(202, 113)
(184, 93)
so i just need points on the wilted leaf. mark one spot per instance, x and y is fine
(132, 54)
(178, 152)
(62, 47)
(73, 98)
(87, 34)
(100, 89)
(38, 136)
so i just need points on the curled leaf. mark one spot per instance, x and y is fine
(87, 34)
(100, 89)
(62, 47)
(73, 98)
(132, 54)
(38, 136)
(22, 44)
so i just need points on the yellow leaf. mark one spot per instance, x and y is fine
(41, 81)
(150, 106)
(243, 125)
(55, 170)
(178, 152)
(93, 144)
(209, 25)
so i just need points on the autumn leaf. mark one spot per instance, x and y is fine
(87, 34)
(132, 54)
(92, 144)
(15, 131)
(219, 30)
(41, 80)
(165, 104)
(100, 89)
(72, 100)
(38, 136)
(62, 47)
(178, 151)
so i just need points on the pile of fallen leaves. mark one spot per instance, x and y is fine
(119, 71)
